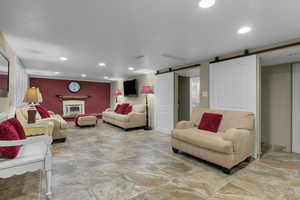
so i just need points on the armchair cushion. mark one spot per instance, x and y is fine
(139, 108)
(203, 139)
(239, 137)
(19, 128)
(8, 132)
(42, 111)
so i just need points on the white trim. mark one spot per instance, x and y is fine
(295, 110)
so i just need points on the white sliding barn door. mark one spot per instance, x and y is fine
(233, 84)
(296, 109)
(164, 102)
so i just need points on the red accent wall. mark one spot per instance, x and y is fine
(99, 92)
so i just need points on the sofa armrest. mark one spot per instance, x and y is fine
(184, 124)
(109, 110)
(240, 138)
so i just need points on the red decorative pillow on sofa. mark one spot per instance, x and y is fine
(123, 108)
(8, 132)
(210, 122)
(117, 108)
(19, 128)
(42, 111)
(127, 110)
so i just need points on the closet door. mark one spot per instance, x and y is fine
(164, 102)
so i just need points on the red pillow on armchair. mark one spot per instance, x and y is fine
(8, 132)
(19, 128)
(42, 111)
(210, 122)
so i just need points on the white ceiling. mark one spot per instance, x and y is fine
(289, 55)
(117, 31)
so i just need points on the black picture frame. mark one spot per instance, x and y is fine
(4, 93)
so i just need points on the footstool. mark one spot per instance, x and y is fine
(83, 120)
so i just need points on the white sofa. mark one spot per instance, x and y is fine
(135, 119)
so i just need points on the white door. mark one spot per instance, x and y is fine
(164, 102)
(296, 109)
(232, 86)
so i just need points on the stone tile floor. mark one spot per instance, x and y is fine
(106, 163)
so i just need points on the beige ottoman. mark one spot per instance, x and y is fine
(86, 120)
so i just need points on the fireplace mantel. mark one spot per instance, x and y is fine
(72, 97)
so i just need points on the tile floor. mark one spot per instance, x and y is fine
(105, 163)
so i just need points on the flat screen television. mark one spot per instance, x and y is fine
(4, 75)
(130, 88)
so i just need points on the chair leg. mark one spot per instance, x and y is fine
(48, 184)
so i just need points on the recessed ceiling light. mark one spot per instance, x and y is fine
(206, 3)
(130, 68)
(56, 73)
(244, 29)
(101, 64)
(83, 75)
(105, 77)
(63, 59)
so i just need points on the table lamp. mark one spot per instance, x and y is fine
(31, 97)
(117, 93)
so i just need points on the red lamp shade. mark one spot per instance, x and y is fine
(147, 90)
(116, 92)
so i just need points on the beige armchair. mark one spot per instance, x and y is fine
(230, 146)
(60, 128)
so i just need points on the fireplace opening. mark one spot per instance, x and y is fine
(72, 108)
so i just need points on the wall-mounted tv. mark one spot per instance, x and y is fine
(130, 88)
(4, 75)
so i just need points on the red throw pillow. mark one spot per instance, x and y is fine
(19, 128)
(117, 108)
(210, 122)
(42, 111)
(8, 132)
(123, 108)
(127, 110)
